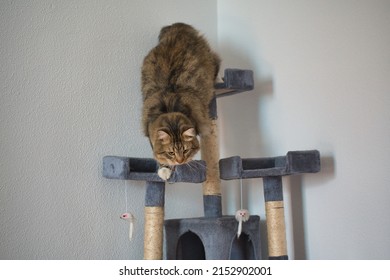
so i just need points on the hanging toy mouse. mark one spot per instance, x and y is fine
(129, 217)
(242, 215)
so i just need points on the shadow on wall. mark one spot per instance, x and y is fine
(297, 204)
(240, 115)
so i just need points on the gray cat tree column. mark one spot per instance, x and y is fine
(234, 81)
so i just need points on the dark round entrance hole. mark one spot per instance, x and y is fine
(190, 247)
(242, 248)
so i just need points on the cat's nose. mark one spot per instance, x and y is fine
(179, 160)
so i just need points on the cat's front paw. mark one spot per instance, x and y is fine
(164, 173)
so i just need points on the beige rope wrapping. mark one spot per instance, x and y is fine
(276, 229)
(210, 154)
(153, 236)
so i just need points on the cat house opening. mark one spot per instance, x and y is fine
(242, 248)
(190, 247)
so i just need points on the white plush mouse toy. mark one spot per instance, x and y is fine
(129, 217)
(242, 215)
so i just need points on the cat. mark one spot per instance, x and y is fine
(178, 77)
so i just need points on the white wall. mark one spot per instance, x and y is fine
(70, 79)
(70, 94)
(322, 71)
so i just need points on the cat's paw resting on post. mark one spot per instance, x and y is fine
(164, 173)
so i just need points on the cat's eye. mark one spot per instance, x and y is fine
(170, 153)
(186, 151)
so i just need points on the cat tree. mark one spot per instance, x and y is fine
(214, 236)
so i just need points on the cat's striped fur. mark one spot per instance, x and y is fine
(178, 77)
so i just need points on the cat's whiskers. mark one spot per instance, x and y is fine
(201, 164)
(197, 164)
(190, 168)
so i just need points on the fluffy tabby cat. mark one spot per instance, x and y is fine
(178, 77)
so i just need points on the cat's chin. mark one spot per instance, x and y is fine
(172, 164)
(179, 163)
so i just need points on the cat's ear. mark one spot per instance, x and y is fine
(189, 134)
(163, 137)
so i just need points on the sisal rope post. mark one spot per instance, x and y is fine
(276, 228)
(210, 154)
(153, 236)
(154, 220)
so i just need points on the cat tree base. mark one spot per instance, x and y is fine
(212, 239)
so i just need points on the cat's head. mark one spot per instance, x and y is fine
(174, 141)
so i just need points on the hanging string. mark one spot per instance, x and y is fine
(127, 209)
(241, 193)
(242, 215)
